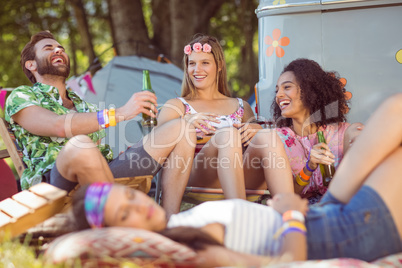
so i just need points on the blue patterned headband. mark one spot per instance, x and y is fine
(95, 199)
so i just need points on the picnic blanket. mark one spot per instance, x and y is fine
(108, 247)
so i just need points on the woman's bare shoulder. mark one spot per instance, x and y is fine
(175, 101)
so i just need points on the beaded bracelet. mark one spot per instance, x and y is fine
(112, 117)
(293, 215)
(308, 160)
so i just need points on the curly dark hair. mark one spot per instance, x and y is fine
(321, 93)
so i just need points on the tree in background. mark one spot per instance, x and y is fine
(237, 26)
(18, 19)
(89, 28)
(83, 28)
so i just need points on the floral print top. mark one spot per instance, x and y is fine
(297, 148)
(40, 152)
(225, 120)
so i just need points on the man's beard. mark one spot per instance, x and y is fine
(46, 67)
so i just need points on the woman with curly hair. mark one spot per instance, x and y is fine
(308, 100)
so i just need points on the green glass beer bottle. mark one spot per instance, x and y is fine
(148, 122)
(327, 171)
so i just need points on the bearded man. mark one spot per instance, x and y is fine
(61, 133)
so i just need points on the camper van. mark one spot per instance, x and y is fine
(359, 39)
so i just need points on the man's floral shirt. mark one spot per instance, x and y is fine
(40, 152)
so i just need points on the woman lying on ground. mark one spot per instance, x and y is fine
(358, 217)
(206, 104)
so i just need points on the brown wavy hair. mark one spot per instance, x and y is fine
(187, 87)
(321, 93)
(28, 53)
(78, 208)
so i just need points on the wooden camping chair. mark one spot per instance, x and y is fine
(198, 195)
(12, 150)
(29, 208)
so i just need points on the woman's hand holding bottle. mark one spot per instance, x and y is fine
(320, 154)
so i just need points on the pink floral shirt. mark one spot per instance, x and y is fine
(297, 148)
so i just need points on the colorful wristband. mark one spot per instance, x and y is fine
(112, 117)
(106, 118)
(308, 168)
(308, 160)
(304, 176)
(293, 229)
(300, 181)
(293, 215)
(101, 120)
(293, 225)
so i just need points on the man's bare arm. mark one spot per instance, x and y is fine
(42, 122)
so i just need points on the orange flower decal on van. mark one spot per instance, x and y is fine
(276, 43)
(348, 95)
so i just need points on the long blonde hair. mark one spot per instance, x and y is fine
(187, 88)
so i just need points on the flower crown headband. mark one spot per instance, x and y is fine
(197, 47)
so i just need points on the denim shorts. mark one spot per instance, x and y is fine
(362, 229)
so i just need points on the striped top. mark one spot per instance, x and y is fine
(249, 227)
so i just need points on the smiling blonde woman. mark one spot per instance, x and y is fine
(205, 103)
